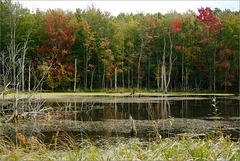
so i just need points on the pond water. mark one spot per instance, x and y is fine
(101, 118)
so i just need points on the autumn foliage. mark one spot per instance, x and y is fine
(178, 47)
(198, 50)
(60, 29)
(175, 26)
(211, 22)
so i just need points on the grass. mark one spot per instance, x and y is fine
(125, 92)
(112, 93)
(185, 148)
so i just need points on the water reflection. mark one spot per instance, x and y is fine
(154, 111)
(109, 116)
(93, 111)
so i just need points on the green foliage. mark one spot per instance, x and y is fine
(132, 43)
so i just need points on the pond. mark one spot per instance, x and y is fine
(104, 120)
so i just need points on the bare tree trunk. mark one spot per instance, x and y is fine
(146, 85)
(86, 74)
(225, 80)
(122, 74)
(29, 77)
(139, 63)
(183, 67)
(132, 79)
(158, 76)
(210, 75)
(14, 75)
(162, 79)
(75, 76)
(166, 83)
(115, 79)
(149, 73)
(3, 69)
(196, 86)
(163, 68)
(13, 17)
(214, 68)
(99, 76)
(14, 51)
(186, 80)
(23, 67)
(13, 57)
(165, 79)
(103, 79)
(170, 61)
(111, 83)
(93, 70)
(129, 77)
(23, 59)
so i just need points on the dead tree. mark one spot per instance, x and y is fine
(133, 130)
(133, 92)
(23, 58)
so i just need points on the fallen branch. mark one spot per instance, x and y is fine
(4, 90)
(14, 115)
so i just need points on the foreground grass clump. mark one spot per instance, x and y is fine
(184, 149)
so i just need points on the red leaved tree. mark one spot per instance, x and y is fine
(211, 22)
(60, 28)
(226, 63)
(209, 33)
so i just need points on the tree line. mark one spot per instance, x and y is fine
(90, 49)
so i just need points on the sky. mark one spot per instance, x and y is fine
(125, 6)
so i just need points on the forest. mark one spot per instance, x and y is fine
(91, 50)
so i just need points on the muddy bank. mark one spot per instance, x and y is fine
(119, 127)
